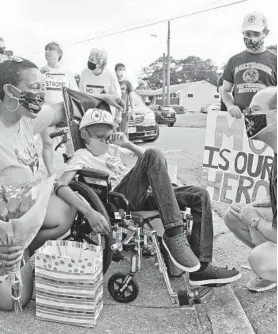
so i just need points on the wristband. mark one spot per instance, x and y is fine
(57, 187)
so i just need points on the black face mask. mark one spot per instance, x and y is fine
(91, 66)
(255, 124)
(29, 100)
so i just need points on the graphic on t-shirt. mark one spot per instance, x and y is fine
(55, 81)
(94, 89)
(29, 158)
(251, 77)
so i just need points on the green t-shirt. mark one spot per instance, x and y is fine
(249, 73)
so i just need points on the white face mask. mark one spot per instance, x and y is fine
(97, 147)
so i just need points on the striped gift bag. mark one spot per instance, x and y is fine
(69, 283)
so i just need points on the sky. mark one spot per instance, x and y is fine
(28, 25)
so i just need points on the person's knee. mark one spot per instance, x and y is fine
(260, 261)
(154, 153)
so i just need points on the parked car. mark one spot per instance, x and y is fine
(164, 114)
(144, 126)
(210, 107)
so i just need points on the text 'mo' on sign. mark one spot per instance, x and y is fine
(232, 171)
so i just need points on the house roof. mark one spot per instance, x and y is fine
(173, 88)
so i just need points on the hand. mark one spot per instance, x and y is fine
(97, 222)
(113, 101)
(245, 213)
(235, 111)
(11, 255)
(265, 204)
(119, 138)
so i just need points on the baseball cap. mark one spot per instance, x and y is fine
(97, 116)
(98, 56)
(255, 22)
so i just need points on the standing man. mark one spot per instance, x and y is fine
(251, 70)
(127, 96)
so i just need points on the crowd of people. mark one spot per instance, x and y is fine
(244, 93)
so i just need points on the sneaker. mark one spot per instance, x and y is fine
(259, 284)
(214, 275)
(180, 252)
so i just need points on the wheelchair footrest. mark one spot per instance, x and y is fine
(194, 296)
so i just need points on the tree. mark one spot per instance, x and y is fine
(272, 48)
(190, 69)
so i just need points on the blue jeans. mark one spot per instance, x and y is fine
(151, 171)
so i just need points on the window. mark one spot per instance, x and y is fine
(190, 95)
(216, 96)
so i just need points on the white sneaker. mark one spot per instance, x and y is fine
(259, 284)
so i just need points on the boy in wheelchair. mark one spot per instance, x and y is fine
(111, 151)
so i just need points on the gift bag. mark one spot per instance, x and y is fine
(69, 282)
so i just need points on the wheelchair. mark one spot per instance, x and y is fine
(131, 231)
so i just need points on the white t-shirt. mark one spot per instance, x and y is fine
(117, 162)
(19, 161)
(55, 79)
(95, 84)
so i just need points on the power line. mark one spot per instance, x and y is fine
(150, 24)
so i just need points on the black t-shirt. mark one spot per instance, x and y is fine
(273, 190)
(250, 72)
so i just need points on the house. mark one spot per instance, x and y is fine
(191, 95)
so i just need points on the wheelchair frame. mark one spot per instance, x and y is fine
(94, 186)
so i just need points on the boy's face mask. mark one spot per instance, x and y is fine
(97, 147)
(29, 100)
(256, 124)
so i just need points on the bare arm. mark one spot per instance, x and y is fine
(227, 96)
(228, 99)
(131, 103)
(265, 228)
(137, 150)
(60, 114)
(97, 222)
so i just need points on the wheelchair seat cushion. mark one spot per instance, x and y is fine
(145, 214)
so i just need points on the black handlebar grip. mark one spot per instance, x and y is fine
(58, 133)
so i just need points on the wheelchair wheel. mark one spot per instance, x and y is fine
(116, 283)
(81, 230)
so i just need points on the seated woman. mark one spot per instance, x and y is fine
(20, 120)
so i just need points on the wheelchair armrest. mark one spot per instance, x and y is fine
(91, 172)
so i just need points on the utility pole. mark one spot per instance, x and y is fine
(168, 65)
(163, 80)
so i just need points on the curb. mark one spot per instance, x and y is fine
(226, 314)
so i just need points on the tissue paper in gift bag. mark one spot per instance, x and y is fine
(69, 283)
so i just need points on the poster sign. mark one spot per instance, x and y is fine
(233, 171)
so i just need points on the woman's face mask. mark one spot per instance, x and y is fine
(97, 147)
(256, 124)
(29, 100)
(91, 66)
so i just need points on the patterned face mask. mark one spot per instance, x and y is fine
(254, 44)
(29, 100)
